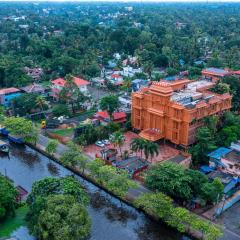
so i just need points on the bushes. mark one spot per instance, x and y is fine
(52, 147)
(115, 180)
(161, 206)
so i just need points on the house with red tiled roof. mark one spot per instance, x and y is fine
(59, 83)
(104, 118)
(7, 95)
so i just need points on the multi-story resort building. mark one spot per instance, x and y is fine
(173, 110)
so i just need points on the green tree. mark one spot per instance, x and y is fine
(150, 149)
(221, 88)
(60, 110)
(69, 221)
(197, 179)
(169, 178)
(21, 127)
(41, 102)
(110, 104)
(229, 134)
(179, 218)
(212, 192)
(71, 93)
(205, 144)
(8, 196)
(24, 104)
(137, 144)
(81, 161)
(211, 122)
(52, 186)
(52, 147)
(117, 139)
(156, 204)
(94, 167)
(121, 189)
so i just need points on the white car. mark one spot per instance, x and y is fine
(106, 142)
(99, 144)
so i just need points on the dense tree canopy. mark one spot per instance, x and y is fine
(57, 209)
(8, 196)
(160, 35)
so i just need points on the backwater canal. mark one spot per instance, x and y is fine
(111, 220)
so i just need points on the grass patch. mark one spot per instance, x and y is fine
(66, 132)
(12, 223)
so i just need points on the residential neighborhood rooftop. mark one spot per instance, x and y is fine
(8, 90)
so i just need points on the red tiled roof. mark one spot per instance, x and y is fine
(8, 90)
(61, 82)
(102, 114)
(116, 115)
(119, 115)
(237, 72)
(80, 82)
(115, 75)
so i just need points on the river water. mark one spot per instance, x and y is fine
(111, 220)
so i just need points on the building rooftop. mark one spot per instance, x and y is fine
(216, 71)
(78, 81)
(225, 177)
(191, 95)
(233, 156)
(8, 90)
(219, 153)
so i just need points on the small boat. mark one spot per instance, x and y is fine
(3, 131)
(15, 139)
(4, 147)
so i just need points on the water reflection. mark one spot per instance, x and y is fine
(111, 219)
(52, 168)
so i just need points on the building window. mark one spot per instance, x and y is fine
(175, 125)
(175, 136)
(176, 113)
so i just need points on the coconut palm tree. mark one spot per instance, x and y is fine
(117, 139)
(137, 145)
(41, 102)
(127, 84)
(150, 149)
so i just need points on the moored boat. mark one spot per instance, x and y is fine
(3, 131)
(15, 139)
(4, 147)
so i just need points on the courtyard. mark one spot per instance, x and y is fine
(165, 151)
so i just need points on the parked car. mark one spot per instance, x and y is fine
(99, 144)
(106, 142)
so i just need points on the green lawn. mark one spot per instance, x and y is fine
(12, 223)
(66, 132)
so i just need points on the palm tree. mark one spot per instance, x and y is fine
(137, 145)
(150, 149)
(127, 84)
(118, 139)
(41, 102)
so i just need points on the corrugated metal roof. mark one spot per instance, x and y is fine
(218, 153)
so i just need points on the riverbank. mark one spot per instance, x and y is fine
(129, 199)
(12, 223)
